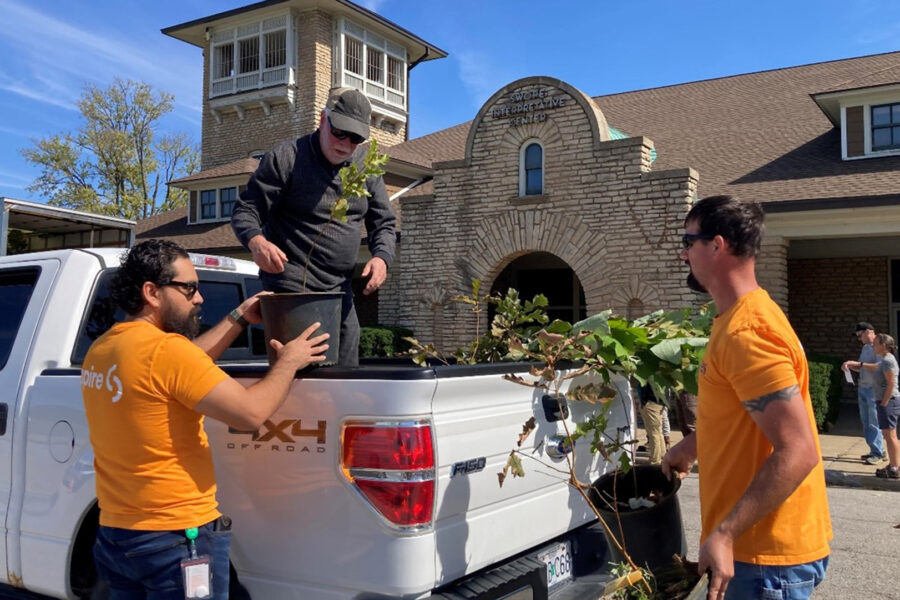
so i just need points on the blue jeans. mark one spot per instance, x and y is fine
(869, 419)
(146, 565)
(765, 582)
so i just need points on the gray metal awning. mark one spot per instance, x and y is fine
(45, 227)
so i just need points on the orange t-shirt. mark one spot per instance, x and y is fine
(151, 455)
(753, 351)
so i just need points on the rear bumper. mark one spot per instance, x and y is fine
(525, 577)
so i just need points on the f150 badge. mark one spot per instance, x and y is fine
(467, 467)
(283, 436)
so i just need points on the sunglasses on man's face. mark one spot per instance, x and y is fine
(188, 288)
(688, 239)
(340, 134)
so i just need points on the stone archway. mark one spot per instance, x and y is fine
(543, 273)
(517, 233)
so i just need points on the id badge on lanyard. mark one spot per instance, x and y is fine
(196, 571)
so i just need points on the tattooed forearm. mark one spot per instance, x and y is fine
(760, 404)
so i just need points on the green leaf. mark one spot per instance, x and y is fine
(670, 350)
(598, 323)
(557, 326)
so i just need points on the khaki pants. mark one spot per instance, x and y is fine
(652, 413)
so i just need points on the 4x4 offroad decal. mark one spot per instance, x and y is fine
(287, 435)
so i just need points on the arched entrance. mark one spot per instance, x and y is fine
(544, 273)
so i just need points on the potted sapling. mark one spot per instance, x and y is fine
(287, 315)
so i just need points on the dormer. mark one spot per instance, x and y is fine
(268, 67)
(868, 118)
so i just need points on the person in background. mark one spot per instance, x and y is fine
(686, 411)
(652, 411)
(765, 525)
(865, 394)
(887, 397)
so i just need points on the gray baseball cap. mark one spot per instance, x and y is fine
(349, 110)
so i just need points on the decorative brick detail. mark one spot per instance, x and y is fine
(615, 222)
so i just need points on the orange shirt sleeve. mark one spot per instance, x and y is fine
(184, 372)
(758, 362)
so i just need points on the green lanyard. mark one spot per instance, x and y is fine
(191, 534)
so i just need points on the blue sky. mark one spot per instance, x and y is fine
(49, 50)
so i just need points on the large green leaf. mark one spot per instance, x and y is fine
(598, 323)
(670, 350)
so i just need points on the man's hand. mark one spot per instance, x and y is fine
(303, 350)
(376, 271)
(717, 556)
(249, 308)
(267, 255)
(680, 458)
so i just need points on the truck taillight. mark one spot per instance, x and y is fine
(392, 464)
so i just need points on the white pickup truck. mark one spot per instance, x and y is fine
(373, 482)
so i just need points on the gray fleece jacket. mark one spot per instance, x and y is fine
(288, 200)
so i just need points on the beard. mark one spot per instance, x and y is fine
(694, 284)
(187, 324)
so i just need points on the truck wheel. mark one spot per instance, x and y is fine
(236, 591)
(100, 591)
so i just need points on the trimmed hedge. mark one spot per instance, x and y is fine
(825, 389)
(383, 341)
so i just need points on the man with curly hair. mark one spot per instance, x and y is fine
(147, 385)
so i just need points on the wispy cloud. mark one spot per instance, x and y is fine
(54, 59)
(16, 178)
(35, 92)
(18, 132)
(372, 5)
(479, 76)
(885, 34)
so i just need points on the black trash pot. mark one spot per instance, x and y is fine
(285, 316)
(651, 535)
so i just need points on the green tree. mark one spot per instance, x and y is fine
(117, 163)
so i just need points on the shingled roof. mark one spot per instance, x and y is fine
(759, 136)
(241, 166)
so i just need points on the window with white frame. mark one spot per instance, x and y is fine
(886, 126)
(217, 204)
(531, 169)
(251, 56)
(371, 63)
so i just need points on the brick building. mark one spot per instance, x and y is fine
(548, 189)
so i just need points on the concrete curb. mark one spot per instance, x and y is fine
(855, 480)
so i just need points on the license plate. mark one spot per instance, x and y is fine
(558, 559)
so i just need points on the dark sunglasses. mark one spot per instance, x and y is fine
(688, 239)
(189, 288)
(340, 134)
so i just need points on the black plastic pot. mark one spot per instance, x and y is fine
(650, 535)
(285, 316)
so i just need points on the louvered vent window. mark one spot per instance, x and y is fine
(250, 56)
(373, 64)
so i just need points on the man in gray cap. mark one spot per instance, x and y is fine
(288, 202)
(865, 393)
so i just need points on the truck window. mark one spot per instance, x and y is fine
(221, 292)
(219, 297)
(16, 286)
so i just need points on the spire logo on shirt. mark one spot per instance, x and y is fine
(98, 381)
